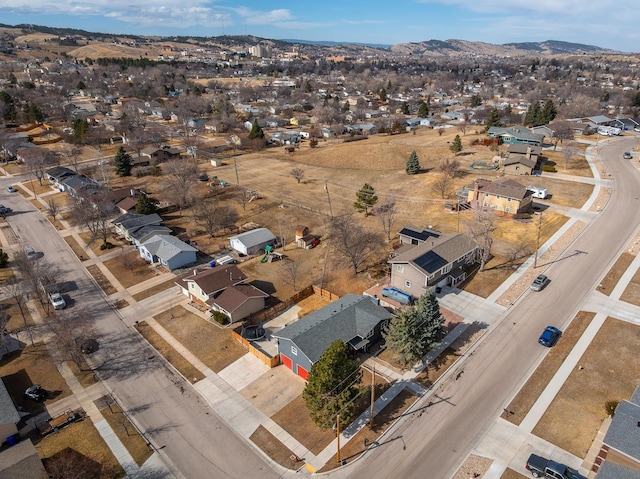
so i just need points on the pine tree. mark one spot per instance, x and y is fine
(456, 145)
(417, 329)
(476, 101)
(493, 120)
(123, 163)
(366, 199)
(423, 110)
(4, 259)
(383, 94)
(413, 164)
(533, 115)
(549, 112)
(332, 385)
(256, 131)
(145, 206)
(405, 108)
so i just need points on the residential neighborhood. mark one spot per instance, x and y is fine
(300, 257)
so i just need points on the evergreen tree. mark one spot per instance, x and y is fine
(476, 101)
(383, 94)
(635, 99)
(256, 131)
(145, 206)
(549, 112)
(366, 199)
(533, 115)
(123, 163)
(80, 128)
(81, 85)
(413, 164)
(332, 385)
(493, 120)
(417, 329)
(423, 110)
(4, 259)
(33, 113)
(456, 145)
(346, 107)
(405, 108)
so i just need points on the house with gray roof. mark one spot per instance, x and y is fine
(515, 135)
(21, 461)
(523, 160)
(355, 319)
(205, 286)
(619, 456)
(9, 416)
(252, 242)
(442, 260)
(504, 197)
(168, 251)
(137, 228)
(239, 302)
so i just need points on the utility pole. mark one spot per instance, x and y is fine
(338, 431)
(373, 394)
(326, 254)
(535, 258)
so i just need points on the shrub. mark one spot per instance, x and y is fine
(220, 318)
(549, 169)
(107, 245)
(610, 407)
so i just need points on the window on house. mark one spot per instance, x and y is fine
(414, 241)
(369, 334)
(446, 269)
(407, 284)
(294, 350)
(400, 268)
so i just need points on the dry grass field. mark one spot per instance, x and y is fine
(129, 268)
(575, 415)
(615, 273)
(632, 293)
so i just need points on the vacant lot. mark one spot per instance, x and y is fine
(211, 344)
(577, 412)
(632, 293)
(615, 273)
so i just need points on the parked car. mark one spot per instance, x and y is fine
(57, 301)
(543, 467)
(11, 189)
(549, 336)
(539, 283)
(4, 210)
(88, 346)
(36, 393)
(31, 253)
(627, 155)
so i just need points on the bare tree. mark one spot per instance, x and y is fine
(481, 228)
(69, 329)
(298, 174)
(562, 130)
(387, 214)
(213, 216)
(463, 126)
(292, 271)
(32, 273)
(180, 179)
(440, 131)
(451, 167)
(53, 208)
(15, 289)
(4, 320)
(568, 151)
(284, 226)
(73, 155)
(39, 161)
(94, 212)
(442, 185)
(519, 250)
(354, 243)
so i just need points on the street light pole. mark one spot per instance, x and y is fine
(326, 254)
(338, 432)
(535, 258)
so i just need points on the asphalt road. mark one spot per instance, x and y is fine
(435, 440)
(179, 424)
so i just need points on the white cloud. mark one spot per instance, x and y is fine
(257, 17)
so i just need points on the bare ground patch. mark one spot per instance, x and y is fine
(211, 344)
(576, 414)
(184, 367)
(127, 433)
(615, 273)
(473, 466)
(272, 447)
(527, 396)
(101, 279)
(153, 290)
(631, 293)
(129, 268)
(76, 248)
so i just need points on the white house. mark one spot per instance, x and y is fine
(251, 242)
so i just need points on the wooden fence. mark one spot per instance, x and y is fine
(271, 362)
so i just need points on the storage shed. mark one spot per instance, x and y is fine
(251, 242)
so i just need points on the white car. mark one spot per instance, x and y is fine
(57, 301)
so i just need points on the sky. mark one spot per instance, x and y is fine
(604, 23)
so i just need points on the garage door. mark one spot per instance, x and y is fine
(303, 373)
(286, 361)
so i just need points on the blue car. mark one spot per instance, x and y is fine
(549, 336)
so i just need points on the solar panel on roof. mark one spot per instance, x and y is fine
(430, 261)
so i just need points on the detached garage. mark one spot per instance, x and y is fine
(251, 242)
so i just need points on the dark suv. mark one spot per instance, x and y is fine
(36, 393)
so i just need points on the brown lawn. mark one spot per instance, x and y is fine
(127, 433)
(211, 344)
(632, 292)
(575, 415)
(272, 447)
(311, 303)
(95, 243)
(76, 248)
(539, 380)
(578, 165)
(17, 320)
(294, 417)
(84, 438)
(153, 290)
(356, 445)
(101, 279)
(511, 474)
(184, 367)
(32, 365)
(615, 273)
(129, 268)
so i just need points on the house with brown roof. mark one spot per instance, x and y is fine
(223, 289)
(439, 260)
(504, 197)
(523, 160)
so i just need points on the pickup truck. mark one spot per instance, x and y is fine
(542, 467)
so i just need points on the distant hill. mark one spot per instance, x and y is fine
(464, 47)
(328, 43)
